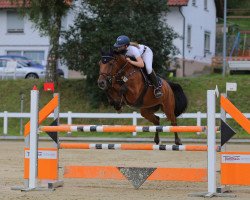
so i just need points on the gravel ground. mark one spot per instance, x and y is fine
(11, 173)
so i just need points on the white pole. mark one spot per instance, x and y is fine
(134, 122)
(5, 123)
(224, 69)
(69, 120)
(198, 121)
(56, 115)
(211, 142)
(33, 139)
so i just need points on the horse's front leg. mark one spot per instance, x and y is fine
(171, 117)
(150, 116)
(157, 135)
(157, 138)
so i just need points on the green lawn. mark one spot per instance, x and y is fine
(75, 101)
(243, 24)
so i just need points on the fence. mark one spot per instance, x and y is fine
(133, 116)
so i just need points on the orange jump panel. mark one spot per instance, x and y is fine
(235, 167)
(47, 163)
(235, 113)
(93, 172)
(111, 172)
(43, 113)
(180, 174)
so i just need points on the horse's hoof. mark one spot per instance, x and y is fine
(157, 141)
(178, 142)
(119, 111)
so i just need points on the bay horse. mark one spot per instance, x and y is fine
(126, 84)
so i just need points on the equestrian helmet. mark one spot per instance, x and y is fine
(121, 41)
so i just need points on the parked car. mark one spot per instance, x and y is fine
(20, 70)
(31, 63)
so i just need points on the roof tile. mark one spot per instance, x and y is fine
(177, 2)
(8, 4)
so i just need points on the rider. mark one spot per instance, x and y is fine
(142, 54)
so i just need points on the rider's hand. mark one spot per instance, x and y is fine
(128, 59)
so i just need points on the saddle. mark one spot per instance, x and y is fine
(145, 75)
(147, 80)
(147, 83)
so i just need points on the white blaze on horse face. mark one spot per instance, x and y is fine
(103, 68)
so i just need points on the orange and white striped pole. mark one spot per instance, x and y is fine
(135, 147)
(122, 128)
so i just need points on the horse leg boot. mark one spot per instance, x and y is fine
(148, 113)
(176, 137)
(157, 138)
(154, 81)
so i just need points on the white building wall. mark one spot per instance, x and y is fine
(175, 20)
(201, 20)
(29, 40)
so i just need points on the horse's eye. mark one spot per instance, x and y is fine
(104, 60)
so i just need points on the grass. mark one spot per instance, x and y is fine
(73, 99)
(243, 24)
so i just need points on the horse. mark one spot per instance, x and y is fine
(125, 84)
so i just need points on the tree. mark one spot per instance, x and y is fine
(47, 18)
(102, 21)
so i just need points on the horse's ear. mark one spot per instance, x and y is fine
(111, 47)
(102, 52)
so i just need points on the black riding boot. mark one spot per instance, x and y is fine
(154, 81)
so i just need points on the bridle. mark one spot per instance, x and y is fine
(109, 76)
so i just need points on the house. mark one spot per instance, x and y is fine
(195, 22)
(19, 37)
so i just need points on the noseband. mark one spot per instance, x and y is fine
(108, 76)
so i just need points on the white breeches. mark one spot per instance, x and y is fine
(147, 57)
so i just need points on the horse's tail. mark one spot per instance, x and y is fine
(181, 101)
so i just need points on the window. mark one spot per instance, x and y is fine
(37, 56)
(205, 5)
(17, 53)
(3, 63)
(189, 33)
(207, 42)
(193, 2)
(15, 23)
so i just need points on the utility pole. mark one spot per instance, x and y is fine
(225, 40)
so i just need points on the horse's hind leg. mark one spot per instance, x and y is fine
(148, 113)
(171, 117)
(176, 137)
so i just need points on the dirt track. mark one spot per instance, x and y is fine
(11, 172)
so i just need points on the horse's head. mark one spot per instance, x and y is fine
(110, 65)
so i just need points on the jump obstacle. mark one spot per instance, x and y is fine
(143, 147)
(173, 174)
(121, 129)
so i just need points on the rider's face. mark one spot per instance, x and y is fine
(122, 48)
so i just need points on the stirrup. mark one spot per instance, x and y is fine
(157, 93)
